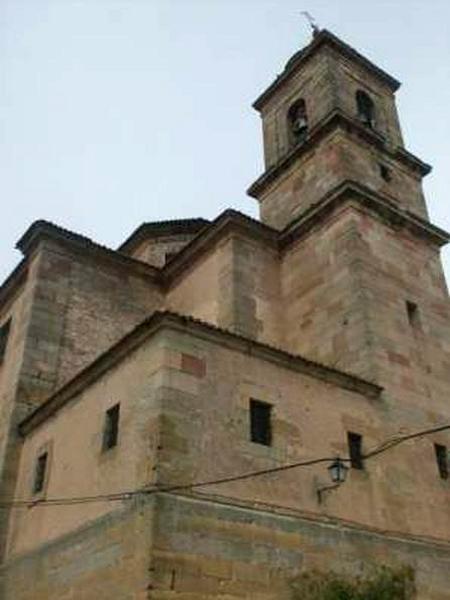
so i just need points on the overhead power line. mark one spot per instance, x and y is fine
(150, 490)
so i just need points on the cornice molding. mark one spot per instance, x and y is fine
(334, 121)
(382, 205)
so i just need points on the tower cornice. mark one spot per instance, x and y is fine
(336, 119)
(381, 205)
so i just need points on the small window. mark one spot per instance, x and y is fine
(40, 473)
(297, 121)
(385, 173)
(111, 430)
(355, 450)
(4, 335)
(412, 311)
(442, 460)
(366, 108)
(260, 422)
(168, 256)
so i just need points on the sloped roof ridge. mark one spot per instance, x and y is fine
(133, 339)
(188, 225)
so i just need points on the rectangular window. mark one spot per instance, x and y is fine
(442, 460)
(260, 422)
(355, 450)
(412, 310)
(4, 334)
(40, 473)
(111, 430)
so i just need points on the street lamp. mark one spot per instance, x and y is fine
(338, 473)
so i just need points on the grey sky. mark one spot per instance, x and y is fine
(114, 112)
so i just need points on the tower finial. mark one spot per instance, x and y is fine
(312, 23)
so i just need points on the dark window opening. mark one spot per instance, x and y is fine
(412, 310)
(442, 460)
(366, 109)
(298, 122)
(4, 335)
(355, 450)
(40, 472)
(260, 422)
(385, 173)
(111, 430)
(169, 255)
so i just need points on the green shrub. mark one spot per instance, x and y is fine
(384, 583)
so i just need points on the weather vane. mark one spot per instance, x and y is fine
(312, 23)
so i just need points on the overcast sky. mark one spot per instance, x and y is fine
(114, 112)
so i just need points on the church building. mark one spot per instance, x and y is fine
(228, 409)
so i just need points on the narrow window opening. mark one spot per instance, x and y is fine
(355, 450)
(4, 335)
(111, 429)
(412, 310)
(385, 173)
(40, 472)
(366, 108)
(260, 422)
(442, 460)
(297, 122)
(169, 255)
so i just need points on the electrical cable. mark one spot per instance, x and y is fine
(125, 495)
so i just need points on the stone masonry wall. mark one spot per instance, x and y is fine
(325, 302)
(208, 549)
(334, 160)
(327, 82)
(108, 559)
(81, 307)
(313, 84)
(236, 286)
(78, 464)
(154, 250)
(205, 436)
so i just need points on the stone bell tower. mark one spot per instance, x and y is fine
(363, 285)
(330, 117)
